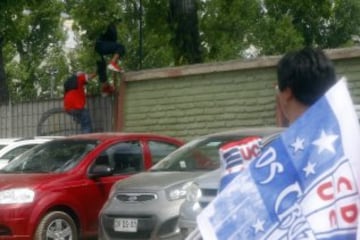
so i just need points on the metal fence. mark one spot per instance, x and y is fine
(47, 117)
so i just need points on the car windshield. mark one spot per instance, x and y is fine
(197, 155)
(54, 156)
(17, 151)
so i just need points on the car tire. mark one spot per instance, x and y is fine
(56, 225)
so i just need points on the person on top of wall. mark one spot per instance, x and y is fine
(75, 99)
(107, 44)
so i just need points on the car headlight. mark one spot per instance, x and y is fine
(193, 193)
(178, 191)
(17, 195)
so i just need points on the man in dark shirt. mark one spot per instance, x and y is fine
(107, 44)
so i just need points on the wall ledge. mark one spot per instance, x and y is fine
(233, 65)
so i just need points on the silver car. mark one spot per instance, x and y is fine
(203, 190)
(146, 205)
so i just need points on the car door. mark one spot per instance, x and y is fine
(125, 158)
(120, 157)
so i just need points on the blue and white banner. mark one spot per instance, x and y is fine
(304, 185)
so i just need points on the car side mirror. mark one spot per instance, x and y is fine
(100, 170)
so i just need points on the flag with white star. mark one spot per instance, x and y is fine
(304, 185)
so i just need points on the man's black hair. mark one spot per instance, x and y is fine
(70, 83)
(309, 73)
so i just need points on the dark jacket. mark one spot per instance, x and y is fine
(110, 35)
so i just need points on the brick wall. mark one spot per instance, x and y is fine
(189, 101)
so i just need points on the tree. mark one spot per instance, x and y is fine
(34, 31)
(325, 23)
(228, 27)
(183, 21)
(9, 10)
(158, 34)
(277, 36)
(156, 51)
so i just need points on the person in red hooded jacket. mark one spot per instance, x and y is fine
(75, 99)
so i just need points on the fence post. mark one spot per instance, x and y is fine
(9, 116)
(119, 104)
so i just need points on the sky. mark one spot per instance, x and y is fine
(70, 42)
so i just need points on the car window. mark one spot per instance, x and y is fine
(54, 156)
(124, 157)
(192, 157)
(159, 150)
(203, 157)
(17, 151)
(197, 155)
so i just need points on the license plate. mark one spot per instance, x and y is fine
(125, 224)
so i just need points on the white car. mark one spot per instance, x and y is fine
(6, 141)
(12, 147)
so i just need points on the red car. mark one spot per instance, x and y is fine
(56, 190)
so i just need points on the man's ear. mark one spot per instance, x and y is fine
(287, 94)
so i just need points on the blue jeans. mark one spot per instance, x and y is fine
(82, 117)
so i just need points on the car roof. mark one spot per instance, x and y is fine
(19, 140)
(255, 131)
(25, 141)
(105, 136)
(5, 141)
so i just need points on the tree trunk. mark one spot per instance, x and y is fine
(4, 91)
(184, 22)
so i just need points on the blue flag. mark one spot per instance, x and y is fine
(304, 185)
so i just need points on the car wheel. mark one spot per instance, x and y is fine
(58, 226)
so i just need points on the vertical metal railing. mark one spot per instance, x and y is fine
(26, 119)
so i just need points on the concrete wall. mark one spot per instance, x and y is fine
(189, 101)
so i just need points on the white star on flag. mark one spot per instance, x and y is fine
(325, 142)
(298, 144)
(259, 226)
(309, 169)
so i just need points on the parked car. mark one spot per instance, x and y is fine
(6, 141)
(13, 147)
(205, 188)
(56, 189)
(146, 205)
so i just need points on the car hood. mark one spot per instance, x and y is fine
(8, 181)
(155, 180)
(210, 180)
